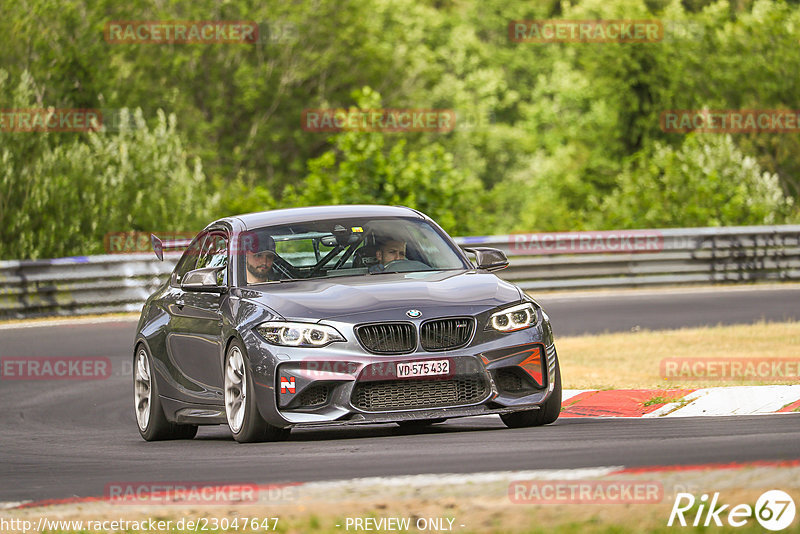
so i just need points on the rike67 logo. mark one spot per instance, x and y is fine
(774, 510)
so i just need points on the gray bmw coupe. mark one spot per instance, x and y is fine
(337, 315)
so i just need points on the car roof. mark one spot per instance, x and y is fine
(315, 213)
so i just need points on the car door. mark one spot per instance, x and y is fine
(194, 340)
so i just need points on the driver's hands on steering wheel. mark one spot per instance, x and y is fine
(376, 268)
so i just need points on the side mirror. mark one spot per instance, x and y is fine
(204, 279)
(489, 259)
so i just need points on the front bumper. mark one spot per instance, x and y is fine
(343, 385)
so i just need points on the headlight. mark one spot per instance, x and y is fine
(514, 318)
(298, 334)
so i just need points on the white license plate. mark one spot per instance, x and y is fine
(428, 368)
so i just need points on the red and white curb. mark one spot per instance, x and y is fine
(736, 400)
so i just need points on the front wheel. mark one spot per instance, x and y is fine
(245, 422)
(150, 419)
(546, 414)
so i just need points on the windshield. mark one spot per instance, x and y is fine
(346, 247)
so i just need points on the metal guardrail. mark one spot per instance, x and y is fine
(569, 260)
(664, 257)
(79, 285)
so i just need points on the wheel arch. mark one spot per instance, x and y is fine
(234, 335)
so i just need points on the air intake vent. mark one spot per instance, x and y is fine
(387, 338)
(508, 380)
(411, 394)
(314, 396)
(445, 334)
(514, 380)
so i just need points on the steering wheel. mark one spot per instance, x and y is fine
(405, 265)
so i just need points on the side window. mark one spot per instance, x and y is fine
(188, 261)
(214, 253)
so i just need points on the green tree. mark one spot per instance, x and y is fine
(374, 167)
(559, 120)
(61, 193)
(707, 181)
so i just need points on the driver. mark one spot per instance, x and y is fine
(389, 250)
(259, 260)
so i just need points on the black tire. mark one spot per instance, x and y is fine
(157, 427)
(545, 415)
(420, 423)
(253, 427)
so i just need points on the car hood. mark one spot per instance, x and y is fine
(437, 292)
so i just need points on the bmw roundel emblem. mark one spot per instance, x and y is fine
(413, 313)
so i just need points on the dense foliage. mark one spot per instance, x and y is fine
(560, 136)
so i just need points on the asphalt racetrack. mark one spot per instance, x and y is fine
(62, 439)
